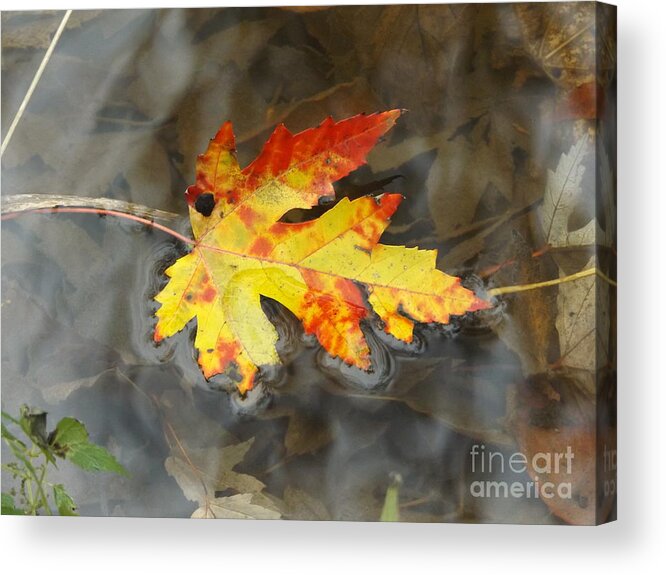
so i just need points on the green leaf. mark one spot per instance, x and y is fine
(70, 441)
(8, 507)
(63, 501)
(391, 510)
(92, 457)
(69, 431)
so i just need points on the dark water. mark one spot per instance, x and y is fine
(129, 99)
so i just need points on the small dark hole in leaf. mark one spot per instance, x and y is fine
(205, 204)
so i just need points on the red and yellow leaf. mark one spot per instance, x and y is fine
(321, 270)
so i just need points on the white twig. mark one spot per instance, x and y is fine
(35, 81)
(12, 204)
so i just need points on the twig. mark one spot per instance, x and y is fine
(101, 212)
(578, 275)
(30, 202)
(35, 81)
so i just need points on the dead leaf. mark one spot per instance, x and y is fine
(303, 506)
(583, 318)
(545, 426)
(239, 506)
(202, 472)
(527, 325)
(224, 86)
(306, 434)
(583, 322)
(472, 160)
(408, 53)
(563, 193)
(563, 39)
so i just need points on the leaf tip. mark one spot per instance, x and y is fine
(390, 201)
(225, 137)
(157, 335)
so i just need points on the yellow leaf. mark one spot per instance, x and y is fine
(331, 272)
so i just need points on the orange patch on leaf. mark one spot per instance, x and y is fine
(261, 247)
(218, 360)
(247, 216)
(208, 294)
(350, 293)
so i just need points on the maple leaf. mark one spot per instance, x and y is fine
(564, 192)
(201, 473)
(330, 272)
(583, 306)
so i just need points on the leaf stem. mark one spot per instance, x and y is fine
(29, 496)
(32, 476)
(40, 488)
(526, 287)
(102, 212)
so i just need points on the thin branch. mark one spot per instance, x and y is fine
(30, 202)
(100, 212)
(35, 81)
(526, 287)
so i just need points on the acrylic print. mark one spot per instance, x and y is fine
(310, 263)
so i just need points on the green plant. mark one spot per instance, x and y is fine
(39, 452)
(391, 509)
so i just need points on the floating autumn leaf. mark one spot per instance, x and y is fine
(330, 272)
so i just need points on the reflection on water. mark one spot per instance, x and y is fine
(128, 100)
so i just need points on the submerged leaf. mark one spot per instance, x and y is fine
(303, 506)
(559, 200)
(202, 472)
(563, 40)
(306, 435)
(583, 322)
(320, 269)
(582, 306)
(235, 507)
(559, 438)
